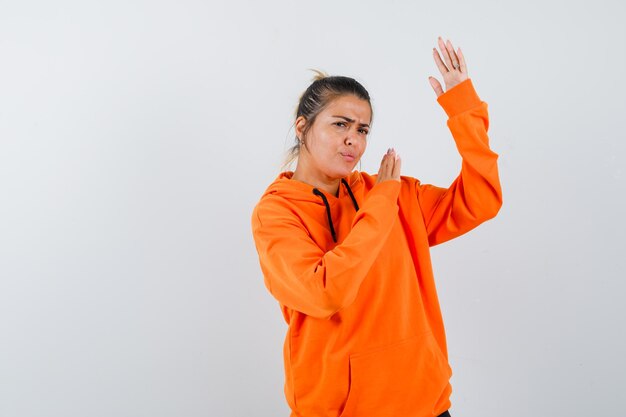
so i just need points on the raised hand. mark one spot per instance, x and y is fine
(452, 66)
(389, 167)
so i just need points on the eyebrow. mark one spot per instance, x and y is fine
(351, 120)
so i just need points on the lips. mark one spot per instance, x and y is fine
(348, 156)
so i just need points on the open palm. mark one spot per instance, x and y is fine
(452, 66)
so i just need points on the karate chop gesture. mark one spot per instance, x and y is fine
(452, 67)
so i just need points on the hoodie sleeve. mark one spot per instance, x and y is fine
(300, 275)
(475, 195)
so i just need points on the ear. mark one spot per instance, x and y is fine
(300, 125)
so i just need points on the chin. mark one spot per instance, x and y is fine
(341, 173)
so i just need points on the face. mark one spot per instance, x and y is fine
(337, 139)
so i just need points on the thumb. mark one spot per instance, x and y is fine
(435, 85)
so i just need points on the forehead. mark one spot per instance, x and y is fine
(349, 106)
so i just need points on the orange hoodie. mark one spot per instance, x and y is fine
(353, 277)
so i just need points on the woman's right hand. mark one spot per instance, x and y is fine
(389, 167)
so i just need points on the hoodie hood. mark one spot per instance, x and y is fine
(284, 186)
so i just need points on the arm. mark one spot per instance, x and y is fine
(475, 195)
(300, 275)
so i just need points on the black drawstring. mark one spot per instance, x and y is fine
(356, 206)
(330, 220)
(325, 200)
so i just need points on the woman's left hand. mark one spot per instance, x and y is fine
(452, 67)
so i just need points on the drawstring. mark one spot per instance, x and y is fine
(330, 220)
(325, 200)
(356, 206)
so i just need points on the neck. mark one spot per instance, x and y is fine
(329, 185)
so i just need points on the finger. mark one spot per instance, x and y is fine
(385, 155)
(442, 67)
(453, 57)
(436, 86)
(462, 61)
(390, 158)
(444, 52)
(385, 169)
(396, 168)
(381, 170)
(384, 163)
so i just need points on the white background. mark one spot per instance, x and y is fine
(136, 137)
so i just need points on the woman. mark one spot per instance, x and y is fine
(346, 253)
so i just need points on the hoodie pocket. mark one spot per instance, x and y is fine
(405, 378)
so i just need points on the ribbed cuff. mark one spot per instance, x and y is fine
(460, 98)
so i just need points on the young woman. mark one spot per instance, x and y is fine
(346, 253)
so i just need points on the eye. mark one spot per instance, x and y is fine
(364, 131)
(342, 124)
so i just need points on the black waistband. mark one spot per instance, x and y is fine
(444, 414)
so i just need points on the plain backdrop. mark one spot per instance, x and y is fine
(136, 137)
